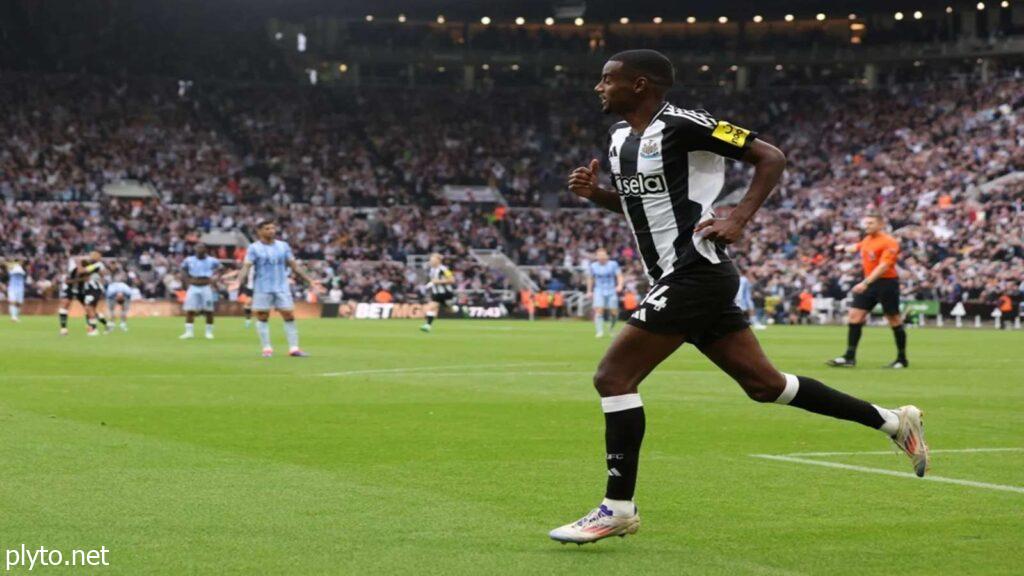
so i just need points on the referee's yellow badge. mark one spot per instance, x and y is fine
(731, 134)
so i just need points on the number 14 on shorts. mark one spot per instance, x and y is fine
(655, 299)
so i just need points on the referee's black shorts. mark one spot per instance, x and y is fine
(885, 291)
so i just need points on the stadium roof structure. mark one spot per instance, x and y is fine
(473, 10)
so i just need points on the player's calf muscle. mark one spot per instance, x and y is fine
(763, 388)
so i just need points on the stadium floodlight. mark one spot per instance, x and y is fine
(623, 20)
(657, 20)
(723, 19)
(733, 68)
(820, 17)
(981, 5)
(558, 67)
(898, 16)
(549, 21)
(440, 68)
(300, 43)
(440, 19)
(342, 67)
(691, 19)
(515, 67)
(949, 9)
(1005, 4)
(486, 20)
(856, 26)
(369, 17)
(788, 18)
(520, 20)
(778, 67)
(852, 16)
(578, 21)
(704, 67)
(278, 35)
(485, 66)
(918, 15)
(758, 18)
(401, 18)
(312, 76)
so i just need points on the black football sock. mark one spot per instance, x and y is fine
(900, 333)
(852, 339)
(248, 313)
(623, 433)
(430, 317)
(63, 318)
(813, 396)
(614, 314)
(102, 319)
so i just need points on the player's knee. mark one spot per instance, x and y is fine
(608, 384)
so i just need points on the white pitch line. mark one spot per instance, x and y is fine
(971, 483)
(884, 452)
(447, 366)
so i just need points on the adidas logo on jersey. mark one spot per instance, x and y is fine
(640, 184)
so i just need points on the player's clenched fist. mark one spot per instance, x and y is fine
(583, 180)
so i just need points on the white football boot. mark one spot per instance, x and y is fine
(910, 438)
(600, 523)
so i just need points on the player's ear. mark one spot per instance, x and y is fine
(640, 84)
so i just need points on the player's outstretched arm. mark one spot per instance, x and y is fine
(768, 162)
(243, 273)
(301, 272)
(584, 183)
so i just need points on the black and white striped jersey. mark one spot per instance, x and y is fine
(436, 274)
(94, 281)
(668, 177)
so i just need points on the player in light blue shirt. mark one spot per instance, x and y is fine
(604, 283)
(200, 273)
(745, 301)
(119, 293)
(270, 260)
(15, 289)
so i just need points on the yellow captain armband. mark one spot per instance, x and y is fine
(731, 134)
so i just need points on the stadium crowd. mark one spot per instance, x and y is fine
(355, 178)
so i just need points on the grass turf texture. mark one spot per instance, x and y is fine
(455, 452)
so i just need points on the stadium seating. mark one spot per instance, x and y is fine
(355, 176)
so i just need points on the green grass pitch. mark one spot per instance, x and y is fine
(390, 451)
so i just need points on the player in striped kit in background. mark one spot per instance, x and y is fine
(440, 288)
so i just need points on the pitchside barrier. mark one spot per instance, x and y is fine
(392, 311)
(916, 312)
(151, 309)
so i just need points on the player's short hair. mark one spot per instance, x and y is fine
(263, 223)
(651, 64)
(876, 214)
